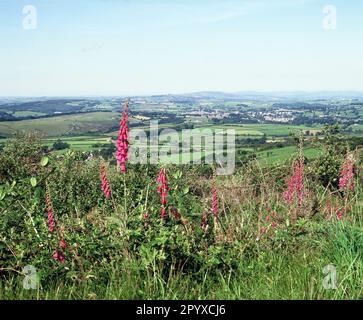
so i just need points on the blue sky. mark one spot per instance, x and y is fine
(118, 47)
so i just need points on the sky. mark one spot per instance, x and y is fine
(141, 47)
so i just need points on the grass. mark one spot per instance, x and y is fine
(295, 272)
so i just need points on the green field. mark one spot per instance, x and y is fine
(279, 155)
(271, 130)
(357, 128)
(92, 122)
(101, 122)
(27, 113)
(81, 143)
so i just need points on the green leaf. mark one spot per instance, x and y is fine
(301, 222)
(2, 193)
(38, 193)
(33, 182)
(177, 175)
(186, 190)
(44, 161)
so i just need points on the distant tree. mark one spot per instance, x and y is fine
(107, 151)
(45, 149)
(60, 145)
(263, 139)
(188, 126)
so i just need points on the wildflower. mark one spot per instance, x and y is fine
(163, 212)
(122, 144)
(214, 196)
(51, 225)
(175, 213)
(105, 186)
(58, 256)
(328, 205)
(63, 244)
(146, 219)
(339, 214)
(204, 220)
(163, 191)
(268, 222)
(346, 180)
(51, 222)
(163, 187)
(295, 185)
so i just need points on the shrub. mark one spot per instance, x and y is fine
(60, 145)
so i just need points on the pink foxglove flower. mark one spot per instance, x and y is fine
(58, 256)
(175, 213)
(295, 185)
(63, 244)
(346, 180)
(163, 191)
(51, 222)
(105, 185)
(63, 241)
(339, 214)
(263, 230)
(122, 144)
(163, 212)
